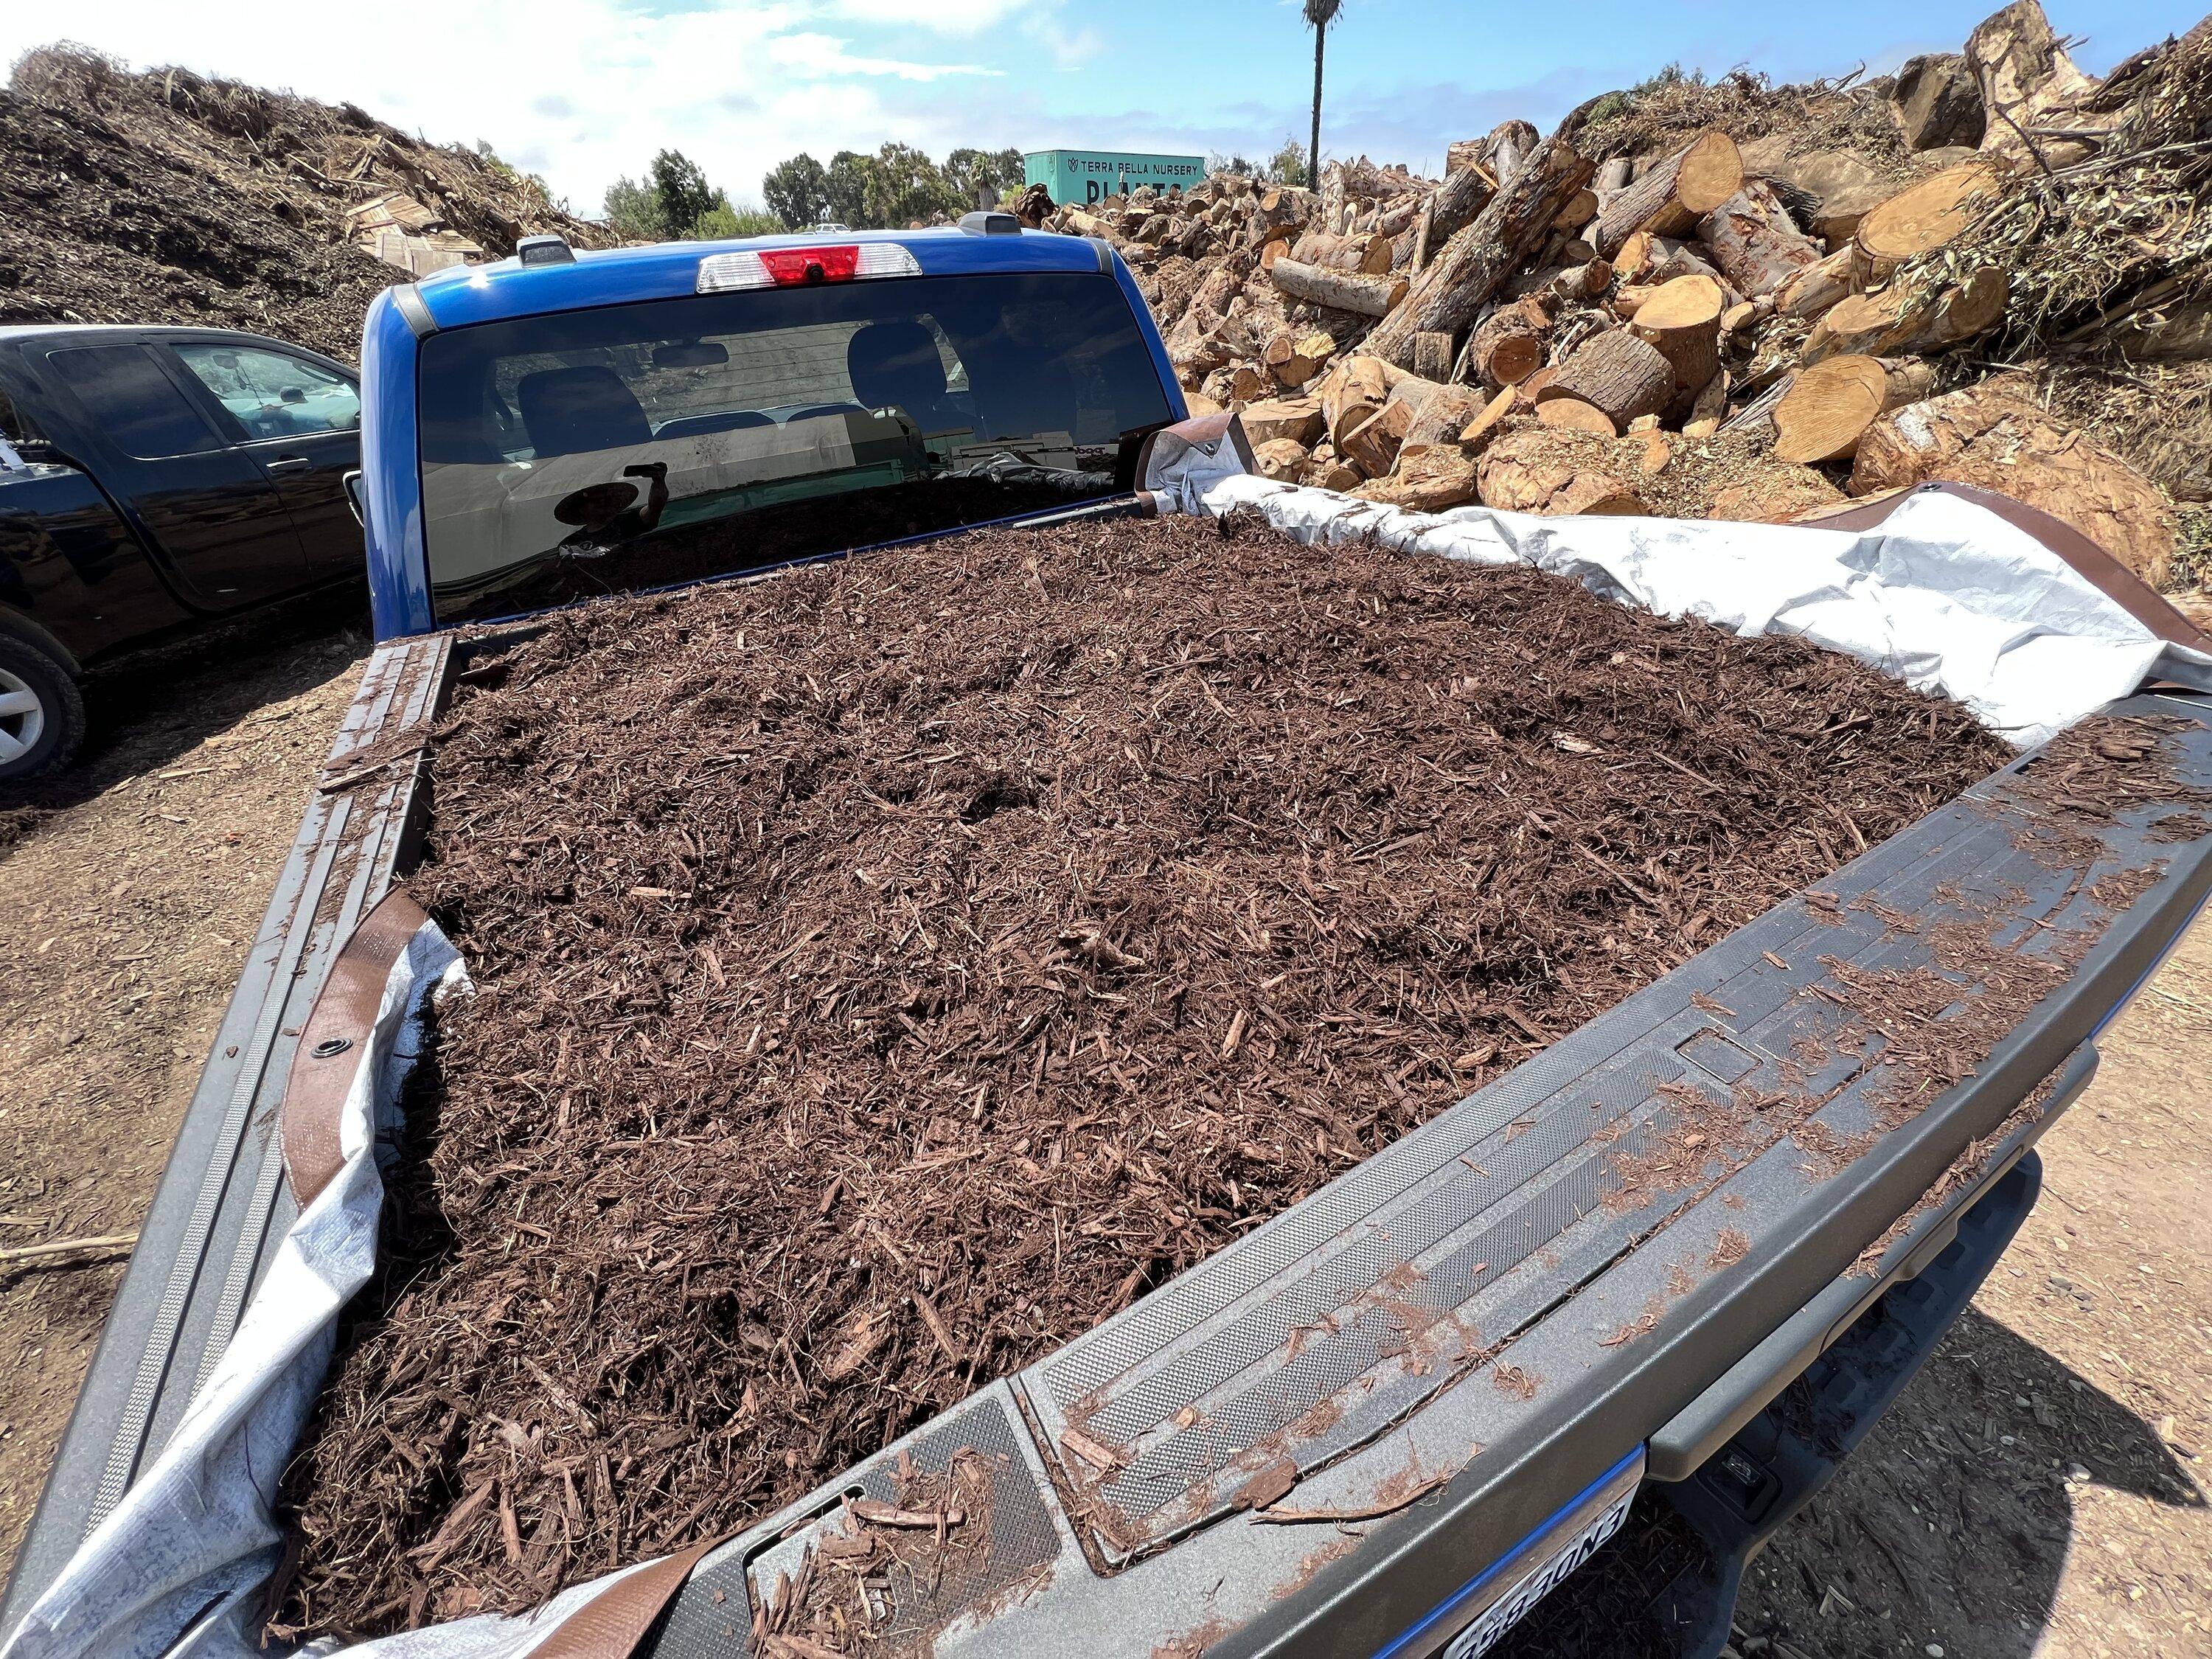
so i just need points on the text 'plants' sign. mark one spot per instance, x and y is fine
(1091, 175)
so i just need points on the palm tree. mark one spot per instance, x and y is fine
(1321, 13)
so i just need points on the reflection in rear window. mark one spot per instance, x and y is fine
(635, 445)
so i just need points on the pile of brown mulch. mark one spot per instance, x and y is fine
(888, 971)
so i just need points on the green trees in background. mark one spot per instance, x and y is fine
(674, 203)
(895, 187)
(797, 192)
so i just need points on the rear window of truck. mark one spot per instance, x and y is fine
(637, 446)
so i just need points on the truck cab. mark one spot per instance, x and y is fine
(597, 422)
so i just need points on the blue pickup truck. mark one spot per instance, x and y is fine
(561, 426)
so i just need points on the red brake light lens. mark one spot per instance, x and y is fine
(798, 267)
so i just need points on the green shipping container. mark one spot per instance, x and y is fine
(1084, 176)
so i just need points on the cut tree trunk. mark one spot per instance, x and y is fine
(1901, 318)
(1289, 365)
(1576, 416)
(1827, 407)
(1754, 243)
(1586, 282)
(1578, 212)
(2026, 79)
(1616, 374)
(1816, 287)
(1432, 356)
(1539, 471)
(1924, 217)
(1669, 199)
(1681, 320)
(1351, 392)
(1518, 220)
(1444, 415)
(1372, 445)
(1509, 346)
(1508, 147)
(1479, 430)
(1452, 209)
(1340, 290)
(1615, 175)
(1368, 256)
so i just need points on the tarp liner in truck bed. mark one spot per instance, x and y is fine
(1556, 1393)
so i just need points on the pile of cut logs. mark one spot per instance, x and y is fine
(1385, 334)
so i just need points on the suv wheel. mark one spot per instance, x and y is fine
(41, 715)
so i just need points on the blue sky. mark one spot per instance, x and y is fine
(584, 90)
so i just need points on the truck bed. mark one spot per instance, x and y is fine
(1430, 1371)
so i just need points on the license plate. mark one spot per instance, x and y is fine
(1532, 1586)
(1492, 1602)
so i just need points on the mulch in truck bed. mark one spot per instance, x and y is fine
(888, 971)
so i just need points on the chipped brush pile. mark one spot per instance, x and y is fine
(889, 971)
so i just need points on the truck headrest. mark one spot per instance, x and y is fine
(896, 363)
(568, 411)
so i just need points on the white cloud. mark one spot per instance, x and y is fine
(823, 56)
(944, 16)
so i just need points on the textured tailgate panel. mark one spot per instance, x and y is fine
(1024, 1543)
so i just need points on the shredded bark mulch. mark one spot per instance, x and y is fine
(888, 971)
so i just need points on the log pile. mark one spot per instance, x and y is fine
(1380, 332)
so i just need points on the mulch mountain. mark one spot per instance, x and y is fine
(886, 971)
(169, 198)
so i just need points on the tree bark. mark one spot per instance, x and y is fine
(1816, 287)
(1432, 356)
(1899, 320)
(1313, 150)
(1444, 414)
(1670, 199)
(1451, 209)
(1453, 289)
(1617, 374)
(1508, 149)
(1341, 290)
(1366, 256)
(1754, 243)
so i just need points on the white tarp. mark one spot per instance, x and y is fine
(1943, 594)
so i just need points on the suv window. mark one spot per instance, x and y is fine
(272, 394)
(135, 405)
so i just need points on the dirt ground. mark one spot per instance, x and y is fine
(128, 893)
(2039, 1490)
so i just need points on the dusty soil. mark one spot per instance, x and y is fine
(2073, 1351)
(128, 893)
(823, 1043)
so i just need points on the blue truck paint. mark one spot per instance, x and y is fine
(398, 576)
